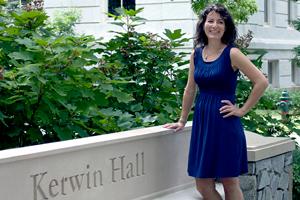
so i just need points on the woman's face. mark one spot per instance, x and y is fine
(214, 26)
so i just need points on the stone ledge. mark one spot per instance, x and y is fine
(260, 147)
(36, 151)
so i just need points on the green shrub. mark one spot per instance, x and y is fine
(150, 65)
(59, 86)
(47, 94)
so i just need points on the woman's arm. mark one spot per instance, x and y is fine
(188, 98)
(259, 81)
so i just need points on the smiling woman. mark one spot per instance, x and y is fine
(218, 145)
(214, 28)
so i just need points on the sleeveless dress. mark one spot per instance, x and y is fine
(218, 145)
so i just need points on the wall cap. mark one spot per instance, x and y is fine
(258, 146)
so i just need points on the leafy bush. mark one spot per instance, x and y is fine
(263, 119)
(59, 86)
(149, 64)
(47, 94)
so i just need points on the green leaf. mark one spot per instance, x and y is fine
(107, 87)
(136, 107)
(122, 97)
(63, 133)
(168, 108)
(2, 117)
(26, 41)
(34, 68)
(110, 112)
(101, 99)
(35, 134)
(80, 131)
(125, 122)
(59, 91)
(14, 132)
(149, 119)
(25, 56)
(43, 116)
(173, 35)
(118, 23)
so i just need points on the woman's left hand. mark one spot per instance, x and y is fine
(231, 110)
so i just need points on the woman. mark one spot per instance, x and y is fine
(218, 146)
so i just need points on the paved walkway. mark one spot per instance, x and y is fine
(188, 194)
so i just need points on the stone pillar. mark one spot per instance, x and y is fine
(270, 174)
(270, 178)
(285, 73)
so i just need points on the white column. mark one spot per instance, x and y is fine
(285, 73)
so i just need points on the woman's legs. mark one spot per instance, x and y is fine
(232, 188)
(206, 187)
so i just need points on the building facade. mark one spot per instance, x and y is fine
(270, 25)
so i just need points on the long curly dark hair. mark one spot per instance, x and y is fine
(230, 33)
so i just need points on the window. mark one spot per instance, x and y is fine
(273, 73)
(292, 11)
(113, 4)
(266, 11)
(295, 73)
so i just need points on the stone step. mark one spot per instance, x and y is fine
(190, 193)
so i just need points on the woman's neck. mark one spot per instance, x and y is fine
(215, 45)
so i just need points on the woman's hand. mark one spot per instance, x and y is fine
(177, 126)
(231, 110)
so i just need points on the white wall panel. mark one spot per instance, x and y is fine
(71, 3)
(260, 5)
(281, 7)
(257, 18)
(152, 12)
(281, 20)
(177, 11)
(88, 15)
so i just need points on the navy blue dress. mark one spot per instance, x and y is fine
(218, 145)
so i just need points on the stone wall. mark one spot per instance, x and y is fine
(269, 179)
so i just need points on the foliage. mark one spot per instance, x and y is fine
(240, 9)
(296, 24)
(296, 173)
(47, 94)
(297, 55)
(55, 88)
(265, 123)
(149, 64)
(64, 21)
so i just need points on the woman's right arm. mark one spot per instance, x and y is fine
(188, 99)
